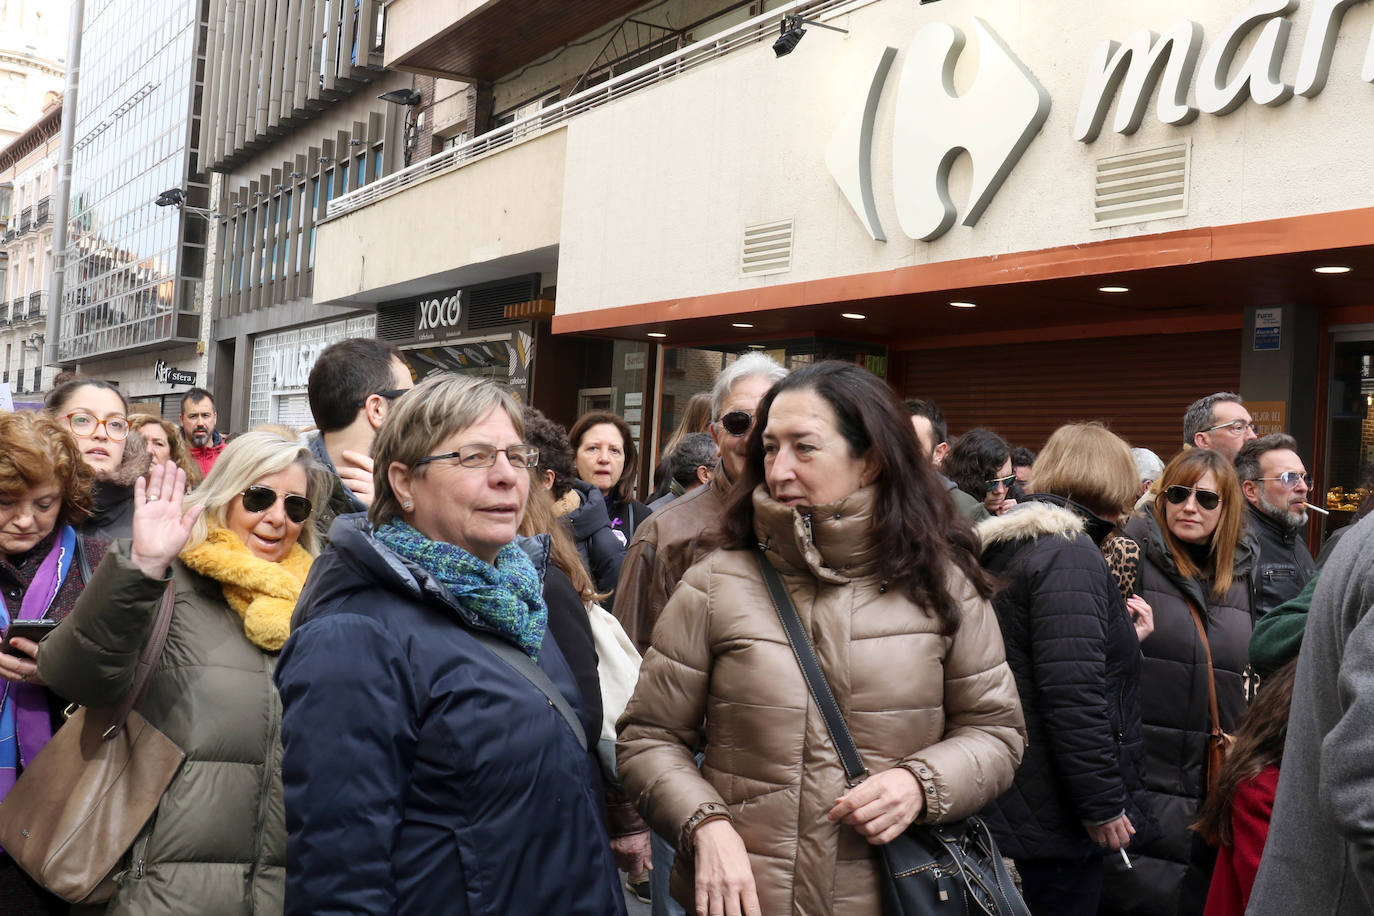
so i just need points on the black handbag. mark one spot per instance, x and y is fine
(952, 868)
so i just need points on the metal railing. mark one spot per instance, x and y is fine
(25, 220)
(652, 73)
(41, 212)
(37, 303)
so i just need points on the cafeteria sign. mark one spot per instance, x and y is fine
(166, 374)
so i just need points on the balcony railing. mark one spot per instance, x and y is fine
(37, 306)
(40, 213)
(652, 73)
(25, 221)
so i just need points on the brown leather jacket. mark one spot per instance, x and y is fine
(721, 675)
(664, 546)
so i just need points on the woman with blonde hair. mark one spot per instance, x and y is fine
(1079, 792)
(164, 443)
(237, 553)
(1195, 562)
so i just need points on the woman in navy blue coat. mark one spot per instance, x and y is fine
(1076, 656)
(434, 741)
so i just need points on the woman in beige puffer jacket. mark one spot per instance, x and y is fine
(933, 715)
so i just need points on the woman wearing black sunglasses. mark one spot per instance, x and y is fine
(237, 557)
(979, 463)
(1196, 557)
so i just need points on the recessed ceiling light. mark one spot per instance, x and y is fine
(741, 324)
(657, 334)
(855, 315)
(757, 347)
(1331, 269)
(964, 305)
(1113, 289)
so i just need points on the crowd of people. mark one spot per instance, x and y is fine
(439, 657)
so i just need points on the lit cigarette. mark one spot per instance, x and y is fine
(1316, 509)
(1125, 858)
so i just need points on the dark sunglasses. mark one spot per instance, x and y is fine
(996, 482)
(390, 394)
(737, 422)
(1207, 499)
(260, 499)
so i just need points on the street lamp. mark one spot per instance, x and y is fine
(176, 197)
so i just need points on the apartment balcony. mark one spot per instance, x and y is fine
(41, 212)
(25, 221)
(481, 40)
(37, 306)
(15, 313)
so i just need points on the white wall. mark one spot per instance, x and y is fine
(660, 185)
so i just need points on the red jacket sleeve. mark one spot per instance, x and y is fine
(1251, 809)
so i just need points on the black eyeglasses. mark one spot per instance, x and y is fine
(484, 456)
(737, 422)
(258, 498)
(1207, 499)
(996, 482)
(1290, 479)
(390, 394)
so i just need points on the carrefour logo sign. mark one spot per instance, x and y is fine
(997, 118)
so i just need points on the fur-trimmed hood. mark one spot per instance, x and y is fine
(1029, 520)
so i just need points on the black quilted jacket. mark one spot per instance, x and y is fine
(1072, 647)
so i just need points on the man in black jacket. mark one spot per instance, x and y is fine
(1275, 483)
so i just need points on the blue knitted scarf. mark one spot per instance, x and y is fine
(509, 595)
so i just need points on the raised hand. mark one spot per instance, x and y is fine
(160, 526)
(356, 473)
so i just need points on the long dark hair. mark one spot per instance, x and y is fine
(1258, 744)
(914, 520)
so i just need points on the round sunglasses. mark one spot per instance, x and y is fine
(737, 422)
(1207, 499)
(258, 498)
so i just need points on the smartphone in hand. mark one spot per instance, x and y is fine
(27, 629)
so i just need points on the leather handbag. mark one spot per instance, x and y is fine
(952, 868)
(77, 808)
(1218, 741)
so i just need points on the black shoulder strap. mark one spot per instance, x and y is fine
(811, 670)
(83, 563)
(536, 676)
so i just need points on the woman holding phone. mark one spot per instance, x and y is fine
(45, 488)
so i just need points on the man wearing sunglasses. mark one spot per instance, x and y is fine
(1276, 484)
(669, 541)
(351, 388)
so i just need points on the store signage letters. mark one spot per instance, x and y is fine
(1145, 59)
(996, 119)
(289, 367)
(167, 375)
(440, 314)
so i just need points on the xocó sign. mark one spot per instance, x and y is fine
(440, 314)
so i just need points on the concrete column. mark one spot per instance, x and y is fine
(1280, 366)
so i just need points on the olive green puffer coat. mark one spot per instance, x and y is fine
(217, 844)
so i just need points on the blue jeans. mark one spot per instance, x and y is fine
(664, 904)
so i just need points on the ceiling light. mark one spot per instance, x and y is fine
(1113, 289)
(657, 334)
(757, 347)
(854, 315)
(741, 324)
(1331, 269)
(964, 305)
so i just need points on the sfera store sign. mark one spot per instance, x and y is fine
(999, 115)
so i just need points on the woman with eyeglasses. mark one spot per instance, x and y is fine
(237, 553)
(45, 489)
(1194, 571)
(164, 443)
(604, 450)
(96, 413)
(979, 463)
(435, 741)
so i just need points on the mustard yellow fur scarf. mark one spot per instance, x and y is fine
(263, 593)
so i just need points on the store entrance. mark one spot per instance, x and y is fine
(1349, 476)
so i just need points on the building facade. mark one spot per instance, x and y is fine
(1103, 213)
(28, 173)
(33, 48)
(133, 285)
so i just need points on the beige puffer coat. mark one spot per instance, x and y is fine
(722, 675)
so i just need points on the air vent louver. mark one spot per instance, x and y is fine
(767, 249)
(1143, 185)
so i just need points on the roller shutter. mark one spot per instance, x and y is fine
(1139, 386)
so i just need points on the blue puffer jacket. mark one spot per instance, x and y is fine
(423, 774)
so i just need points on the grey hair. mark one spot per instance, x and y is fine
(1198, 416)
(246, 460)
(747, 365)
(423, 417)
(1248, 459)
(693, 451)
(1147, 464)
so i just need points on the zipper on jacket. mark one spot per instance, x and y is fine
(806, 523)
(1120, 716)
(265, 786)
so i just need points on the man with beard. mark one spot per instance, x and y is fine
(1276, 484)
(198, 427)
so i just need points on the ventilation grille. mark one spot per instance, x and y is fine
(1144, 185)
(486, 304)
(767, 249)
(396, 322)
